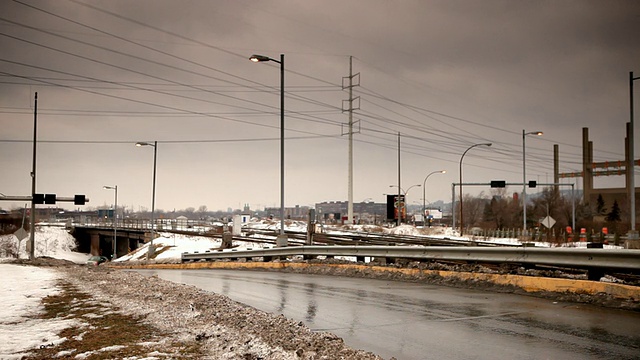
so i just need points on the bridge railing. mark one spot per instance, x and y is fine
(146, 224)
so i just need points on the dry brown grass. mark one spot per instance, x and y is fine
(102, 326)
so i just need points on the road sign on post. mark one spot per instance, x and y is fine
(548, 222)
(21, 234)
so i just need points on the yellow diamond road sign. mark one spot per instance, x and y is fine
(548, 222)
(21, 234)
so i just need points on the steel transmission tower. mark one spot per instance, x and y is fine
(350, 107)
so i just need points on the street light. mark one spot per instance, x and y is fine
(424, 191)
(630, 166)
(262, 58)
(461, 158)
(524, 180)
(405, 199)
(115, 218)
(153, 193)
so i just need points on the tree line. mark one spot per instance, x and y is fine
(498, 210)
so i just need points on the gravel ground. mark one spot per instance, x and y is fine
(185, 322)
(186, 317)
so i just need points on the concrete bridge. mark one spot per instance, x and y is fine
(98, 240)
(97, 237)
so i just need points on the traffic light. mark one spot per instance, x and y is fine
(532, 183)
(498, 183)
(79, 200)
(50, 198)
(38, 198)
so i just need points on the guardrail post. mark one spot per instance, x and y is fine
(390, 260)
(282, 240)
(595, 274)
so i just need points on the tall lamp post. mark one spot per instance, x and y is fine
(424, 190)
(153, 194)
(630, 165)
(524, 180)
(115, 218)
(262, 58)
(461, 158)
(405, 199)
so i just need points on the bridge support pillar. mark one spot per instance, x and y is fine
(227, 241)
(95, 244)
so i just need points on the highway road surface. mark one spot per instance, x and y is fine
(418, 321)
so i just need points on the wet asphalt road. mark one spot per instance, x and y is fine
(418, 321)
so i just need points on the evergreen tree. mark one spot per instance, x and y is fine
(614, 214)
(600, 209)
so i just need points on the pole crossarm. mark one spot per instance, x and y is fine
(619, 164)
(612, 168)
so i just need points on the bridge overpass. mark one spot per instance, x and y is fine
(96, 237)
(98, 240)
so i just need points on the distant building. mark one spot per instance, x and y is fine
(363, 212)
(295, 213)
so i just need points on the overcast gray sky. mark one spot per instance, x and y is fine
(444, 74)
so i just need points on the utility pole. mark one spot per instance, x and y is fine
(32, 243)
(630, 166)
(350, 109)
(400, 201)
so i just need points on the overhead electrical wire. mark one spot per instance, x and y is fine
(107, 32)
(453, 139)
(242, 56)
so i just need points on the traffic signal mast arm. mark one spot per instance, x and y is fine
(42, 199)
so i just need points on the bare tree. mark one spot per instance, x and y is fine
(473, 209)
(549, 203)
(202, 211)
(502, 211)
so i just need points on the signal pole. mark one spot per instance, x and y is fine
(631, 165)
(32, 243)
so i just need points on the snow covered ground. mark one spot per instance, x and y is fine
(21, 290)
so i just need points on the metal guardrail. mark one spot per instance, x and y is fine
(626, 260)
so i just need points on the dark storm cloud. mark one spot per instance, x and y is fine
(488, 69)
